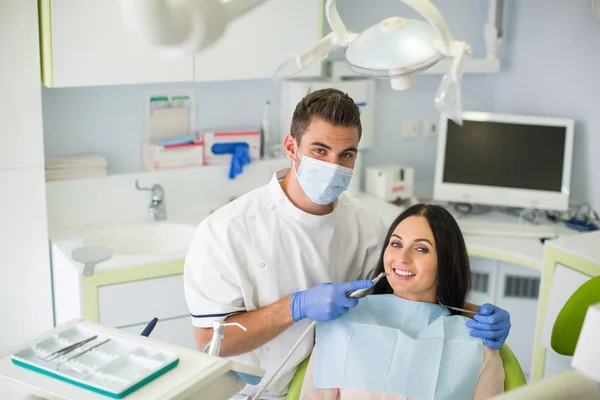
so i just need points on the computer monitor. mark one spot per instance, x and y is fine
(505, 160)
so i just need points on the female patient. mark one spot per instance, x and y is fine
(399, 343)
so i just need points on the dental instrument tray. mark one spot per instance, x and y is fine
(110, 365)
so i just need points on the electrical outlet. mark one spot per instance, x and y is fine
(410, 128)
(430, 127)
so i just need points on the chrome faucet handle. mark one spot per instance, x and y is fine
(158, 192)
(157, 202)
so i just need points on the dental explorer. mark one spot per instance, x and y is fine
(357, 294)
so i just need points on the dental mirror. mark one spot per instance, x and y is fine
(90, 256)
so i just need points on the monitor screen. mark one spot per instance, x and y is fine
(509, 155)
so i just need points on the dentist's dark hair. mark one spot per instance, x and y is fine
(454, 271)
(331, 105)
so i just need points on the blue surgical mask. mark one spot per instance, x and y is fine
(321, 181)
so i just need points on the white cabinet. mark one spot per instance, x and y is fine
(514, 288)
(570, 261)
(483, 280)
(86, 43)
(517, 292)
(25, 294)
(125, 297)
(21, 139)
(256, 43)
(138, 302)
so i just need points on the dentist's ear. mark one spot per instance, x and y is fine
(289, 146)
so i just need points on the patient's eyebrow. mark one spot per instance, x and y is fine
(416, 240)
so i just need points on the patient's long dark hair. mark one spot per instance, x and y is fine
(454, 271)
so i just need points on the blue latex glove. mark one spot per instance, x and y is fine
(325, 302)
(240, 156)
(492, 324)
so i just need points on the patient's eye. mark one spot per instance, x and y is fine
(396, 245)
(422, 249)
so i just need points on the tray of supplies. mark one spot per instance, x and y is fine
(112, 366)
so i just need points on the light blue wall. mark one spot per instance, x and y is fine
(550, 56)
(110, 119)
(552, 68)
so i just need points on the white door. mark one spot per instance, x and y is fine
(256, 43)
(91, 46)
(518, 293)
(21, 136)
(25, 292)
(484, 273)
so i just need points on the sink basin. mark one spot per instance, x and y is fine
(158, 238)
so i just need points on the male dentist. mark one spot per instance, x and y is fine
(262, 260)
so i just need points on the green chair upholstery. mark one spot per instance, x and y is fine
(296, 385)
(513, 374)
(567, 326)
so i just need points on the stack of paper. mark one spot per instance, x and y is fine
(75, 167)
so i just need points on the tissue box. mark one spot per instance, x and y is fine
(176, 156)
(252, 137)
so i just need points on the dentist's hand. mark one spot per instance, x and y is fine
(492, 324)
(325, 302)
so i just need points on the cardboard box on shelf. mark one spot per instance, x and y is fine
(250, 136)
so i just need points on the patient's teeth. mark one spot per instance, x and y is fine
(403, 273)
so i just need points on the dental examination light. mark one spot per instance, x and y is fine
(394, 49)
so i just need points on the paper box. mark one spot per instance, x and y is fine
(176, 156)
(252, 137)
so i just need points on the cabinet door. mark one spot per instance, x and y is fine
(21, 136)
(256, 43)
(178, 331)
(483, 280)
(25, 292)
(133, 303)
(90, 45)
(517, 292)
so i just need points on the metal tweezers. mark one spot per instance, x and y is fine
(68, 349)
(458, 309)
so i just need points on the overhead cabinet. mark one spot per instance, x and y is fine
(86, 43)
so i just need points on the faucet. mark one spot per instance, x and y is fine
(157, 201)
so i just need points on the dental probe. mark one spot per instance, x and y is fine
(355, 294)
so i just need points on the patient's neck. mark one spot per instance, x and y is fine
(422, 297)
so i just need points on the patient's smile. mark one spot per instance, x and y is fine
(403, 272)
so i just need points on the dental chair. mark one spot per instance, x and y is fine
(513, 374)
(567, 326)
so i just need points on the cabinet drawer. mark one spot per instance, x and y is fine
(177, 331)
(138, 302)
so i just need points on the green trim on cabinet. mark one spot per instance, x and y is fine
(45, 32)
(553, 257)
(509, 258)
(321, 32)
(91, 284)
